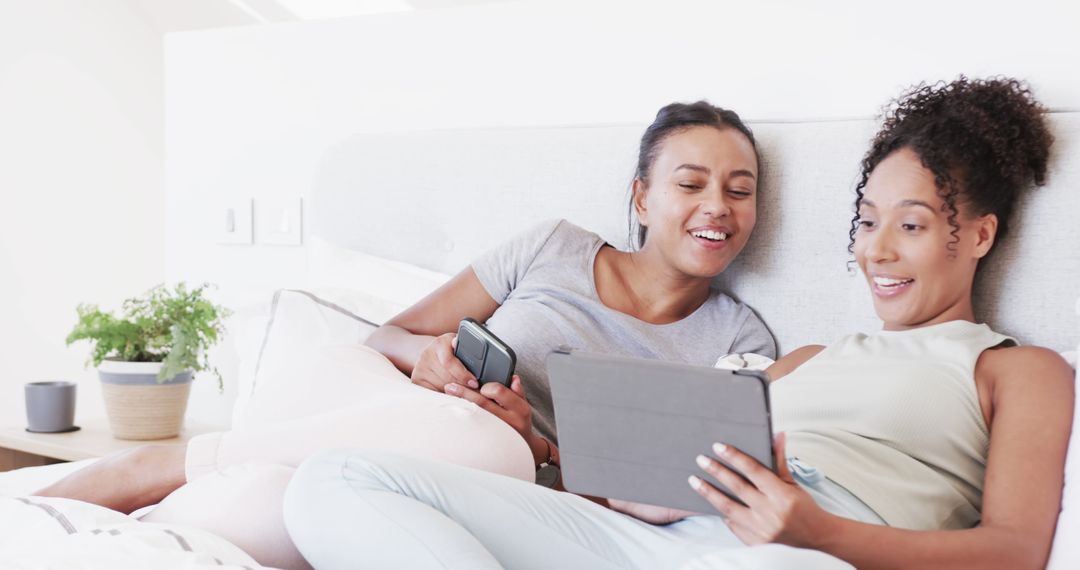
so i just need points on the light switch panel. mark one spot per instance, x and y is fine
(232, 221)
(278, 221)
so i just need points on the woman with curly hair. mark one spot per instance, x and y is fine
(935, 442)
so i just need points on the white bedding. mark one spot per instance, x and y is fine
(41, 532)
(24, 481)
(766, 556)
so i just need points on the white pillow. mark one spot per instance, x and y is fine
(356, 293)
(1065, 554)
(297, 321)
(390, 286)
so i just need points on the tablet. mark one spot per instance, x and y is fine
(631, 428)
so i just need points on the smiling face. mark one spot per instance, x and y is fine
(700, 201)
(902, 245)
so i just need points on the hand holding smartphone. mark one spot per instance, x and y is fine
(483, 354)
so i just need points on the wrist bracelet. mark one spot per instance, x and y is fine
(551, 459)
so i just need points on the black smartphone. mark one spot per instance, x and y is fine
(483, 354)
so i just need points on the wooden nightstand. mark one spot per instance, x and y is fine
(20, 448)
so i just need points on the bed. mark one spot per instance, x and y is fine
(395, 213)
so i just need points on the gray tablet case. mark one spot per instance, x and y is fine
(631, 428)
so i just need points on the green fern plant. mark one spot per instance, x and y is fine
(172, 326)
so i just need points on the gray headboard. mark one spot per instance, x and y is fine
(439, 198)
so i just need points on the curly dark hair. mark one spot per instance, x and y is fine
(984, 140)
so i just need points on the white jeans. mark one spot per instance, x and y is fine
(374, 509)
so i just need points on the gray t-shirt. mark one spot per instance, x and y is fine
(544, 280)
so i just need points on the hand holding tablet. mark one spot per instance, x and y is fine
(632, 429)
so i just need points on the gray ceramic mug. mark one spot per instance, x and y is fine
(50, 406)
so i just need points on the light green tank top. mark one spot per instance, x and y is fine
(894, 417)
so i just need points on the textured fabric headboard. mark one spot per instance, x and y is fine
(440, 198)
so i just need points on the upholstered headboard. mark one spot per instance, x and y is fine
(439, 198)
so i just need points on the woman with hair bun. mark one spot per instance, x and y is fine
(693, 209)
(936, 442)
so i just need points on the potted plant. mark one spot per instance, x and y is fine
(147, 356)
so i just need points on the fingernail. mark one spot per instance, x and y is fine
(702, 461)
(473, 384)
(719, 448)
(694, 482)
(453, 388)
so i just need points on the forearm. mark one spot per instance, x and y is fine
(399, 345)
(870, 547)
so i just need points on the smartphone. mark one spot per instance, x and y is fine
(483, 354)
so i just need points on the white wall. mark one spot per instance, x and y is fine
(81, 168)
(250, 110)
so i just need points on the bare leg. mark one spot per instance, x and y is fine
(127, 480)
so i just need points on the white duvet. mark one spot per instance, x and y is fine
(43, 532)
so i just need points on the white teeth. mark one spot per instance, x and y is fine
(710, 235)
(887, 282)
